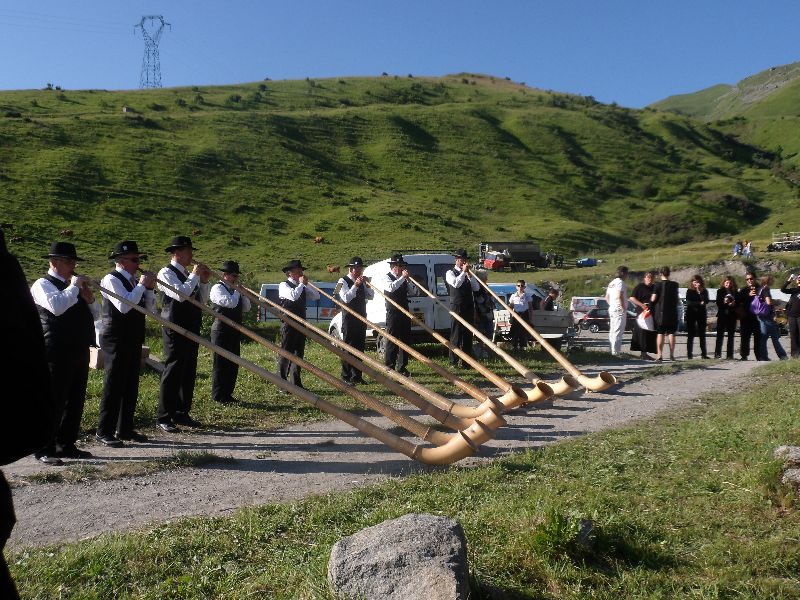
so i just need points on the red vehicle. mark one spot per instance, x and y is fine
(495, 261)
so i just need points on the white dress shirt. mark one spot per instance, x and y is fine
(456, 280)
(112, 283)
(48, 296)
(167, 275)
(287, 292)
(222, 297)
(347, 293)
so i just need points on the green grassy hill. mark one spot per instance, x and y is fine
(255, 172)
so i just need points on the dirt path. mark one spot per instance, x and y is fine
(299, 461)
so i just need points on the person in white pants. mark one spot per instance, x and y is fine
(616, 296)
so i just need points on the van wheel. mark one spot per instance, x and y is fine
(380, 348)
(594, 327)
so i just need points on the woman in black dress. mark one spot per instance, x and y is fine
(643, 340)
(696, 315)
(726, 316)
(664, 302)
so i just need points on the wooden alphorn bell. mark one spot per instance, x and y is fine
(563, 386)
(602, 381)
(466, 443)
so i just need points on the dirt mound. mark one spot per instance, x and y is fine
(737, 268)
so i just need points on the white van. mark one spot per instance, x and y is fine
(430, 269)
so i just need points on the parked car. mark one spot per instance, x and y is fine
(322, 310)
(598, 319)
(586, 262)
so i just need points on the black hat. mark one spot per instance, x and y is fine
(62, 250)
(126, 247)
(356, 261)
(179, 241)
(461, 253)
(397, 259)
(230, 266)
(293, 264)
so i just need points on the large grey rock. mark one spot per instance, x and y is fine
(790, 455)
(417, 556)
(791, 477)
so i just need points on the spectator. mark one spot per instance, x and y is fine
(726, 316)
(484, 314)
(642, 340)
(665, 312)
(617, 298)
(747, 249)
(793, 314)
(549, 302)
(696, 316)
(737, 249)
(520, 303)
(769, 330)
(748, 323)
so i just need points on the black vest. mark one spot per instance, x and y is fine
(185, 314)
(297, 307)
(235, 313)
(127, 326)
(400, 295)
(461, 299)
(73, 328)
(357, 304)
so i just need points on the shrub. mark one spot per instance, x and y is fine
(180, 102)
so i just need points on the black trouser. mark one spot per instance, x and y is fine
(69, 373)
(398, 325)
(725, 325)
(794, 335)
(460, 336)
(295, 342)
(749, 326)
(354, 334)
(8, 590)
(224, 372)
(122, 360)
(519, 336)
(178, 377)
(696, 322)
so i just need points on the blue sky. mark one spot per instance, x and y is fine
(625, 51)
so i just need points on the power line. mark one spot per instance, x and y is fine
(152, 27)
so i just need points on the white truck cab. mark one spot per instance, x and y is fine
(429, 270)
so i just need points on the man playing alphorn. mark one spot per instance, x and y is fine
(67, 310)
(354, 292)
(395, 286)
(121, 341)
(293, 295)
(180, 353)
(230, 303)
(461, 283)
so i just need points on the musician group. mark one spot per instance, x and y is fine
(68, 310)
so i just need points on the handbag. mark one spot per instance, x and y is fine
(759, 306)
(645, 320)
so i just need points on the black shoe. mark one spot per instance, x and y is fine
(743, 358)
(73, 452)
(108, 440)
(348, 383)
(404, 372)
(49, 459)
(720, 356)
(167, 426)
(184, 419)
(133, 436)
(358, 380)
(705, 356)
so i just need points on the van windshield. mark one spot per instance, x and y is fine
(419, 273)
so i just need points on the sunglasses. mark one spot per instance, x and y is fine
(520, 286)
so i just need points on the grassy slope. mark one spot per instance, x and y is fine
(685, 506)
(371, 165)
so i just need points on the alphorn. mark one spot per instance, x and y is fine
(540, 391)
(413, 426)
(601, 382)
(563, 386)
(465, 386)
(460, 446)
(399, 381)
